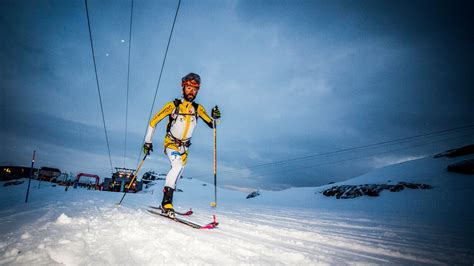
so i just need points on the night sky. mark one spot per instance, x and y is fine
(293, 79)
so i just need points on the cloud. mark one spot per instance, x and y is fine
(382, 161)
(291, 79)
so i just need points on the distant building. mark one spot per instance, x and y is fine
(121, 180)
(15, 172)
(48, 174)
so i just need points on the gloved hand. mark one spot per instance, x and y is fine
(147, 148)
(216, 113)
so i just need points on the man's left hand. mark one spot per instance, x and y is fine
(216, 113)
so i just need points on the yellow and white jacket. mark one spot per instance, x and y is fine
(182, 121)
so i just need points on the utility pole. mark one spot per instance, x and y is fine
(31, 173)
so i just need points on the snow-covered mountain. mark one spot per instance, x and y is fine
(294, 226)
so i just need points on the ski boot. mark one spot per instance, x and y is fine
(167, 202)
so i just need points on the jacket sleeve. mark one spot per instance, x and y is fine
(204, 116)
(164, 112)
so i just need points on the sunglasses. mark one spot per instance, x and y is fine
(191, 82)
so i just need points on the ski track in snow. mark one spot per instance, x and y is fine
(83, 227)
(339, 243)
(110, 235)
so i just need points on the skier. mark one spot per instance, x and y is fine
(182, 114)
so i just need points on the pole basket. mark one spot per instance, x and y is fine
(213, 204)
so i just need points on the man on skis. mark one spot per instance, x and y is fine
(182, 118)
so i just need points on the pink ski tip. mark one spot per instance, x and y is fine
(188, 213)
(210, 225)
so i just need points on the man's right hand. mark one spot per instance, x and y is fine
(147, 148)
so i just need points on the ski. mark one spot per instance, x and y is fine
(188, 213)
(210, 225)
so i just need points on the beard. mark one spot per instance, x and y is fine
(189, 97)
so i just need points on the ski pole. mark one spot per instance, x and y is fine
(214, 203)
(133, 179)
(31, 172)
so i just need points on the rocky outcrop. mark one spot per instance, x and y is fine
(463, 167)
(371, 190)
(469, 149)
(253, 194)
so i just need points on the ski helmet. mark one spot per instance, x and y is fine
(189, 78)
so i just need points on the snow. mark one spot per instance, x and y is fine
(295, 226)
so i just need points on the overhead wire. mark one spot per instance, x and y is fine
(386, 143)
(358, 157)
(128, 85)
(98, 87)
(161, 73)
(363, 147)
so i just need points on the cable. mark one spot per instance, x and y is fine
(98, 87)
(398, 141)
(379, 144)
(359, 157)
(128, 85)
(161, 73)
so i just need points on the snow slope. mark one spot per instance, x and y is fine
(295, 226)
